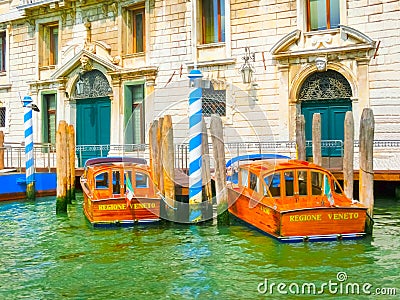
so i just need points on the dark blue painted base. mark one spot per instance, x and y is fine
(13, 185)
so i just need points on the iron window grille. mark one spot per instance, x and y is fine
(214, 102)
(2, 117)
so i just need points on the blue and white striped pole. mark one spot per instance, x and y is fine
(195, 157)
(30, 175)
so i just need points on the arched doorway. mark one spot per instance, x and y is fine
(93, 113)
(327, 93)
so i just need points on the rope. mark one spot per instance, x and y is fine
(368, 172)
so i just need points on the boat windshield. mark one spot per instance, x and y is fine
(273, 184)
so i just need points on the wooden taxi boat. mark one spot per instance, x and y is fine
(119, 190)
(294, 201)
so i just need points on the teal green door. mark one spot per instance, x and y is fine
(93, 118)
(332, 122)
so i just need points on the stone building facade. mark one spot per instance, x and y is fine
(111, 67)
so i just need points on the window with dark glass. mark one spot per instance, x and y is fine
(49, 118)
(142, 180)
(134, 114)
(101, 181)
(2, 117)
(323, 14)
(53, 32)
(116, 182)
(213, 21)
(2, 51)
(135, 33)
(273, 184)
(48, 54)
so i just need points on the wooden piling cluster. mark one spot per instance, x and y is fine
(162, 168)
(162, 159)
(366, 138)
(65, 152)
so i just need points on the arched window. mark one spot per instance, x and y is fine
(92, 84)
(325, 85)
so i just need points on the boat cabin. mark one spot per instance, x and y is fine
(289, 183)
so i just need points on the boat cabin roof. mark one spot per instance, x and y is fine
(117, 159)
(264, 166)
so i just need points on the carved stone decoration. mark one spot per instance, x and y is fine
(321, 41)
(114, 8)
(325, 85)
(63, 18)
(86, 63)
(116, 60)
(92, 84)
(320, 63)
(88, 27)
(104, 8)
(31, 22)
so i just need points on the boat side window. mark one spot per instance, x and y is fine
(254, 182)
(142, 180)
(128, 180)
(116, 182)
(273, 183)
(244, 177)
(316, 183)
(337, 187)
(101, 180)
(289, 177)
(302, 180)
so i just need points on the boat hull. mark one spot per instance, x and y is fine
(301, 224)
(121, 211)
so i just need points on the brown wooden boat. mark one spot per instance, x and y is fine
(293, 201)
(119, 191)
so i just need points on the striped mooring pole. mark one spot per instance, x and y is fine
(195, 137)
(29, 164)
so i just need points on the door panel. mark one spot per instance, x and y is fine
(92, 126)
(332, 122)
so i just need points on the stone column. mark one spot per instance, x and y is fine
(287, 116)
(117, 113)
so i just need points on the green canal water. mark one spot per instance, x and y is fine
(48, 256)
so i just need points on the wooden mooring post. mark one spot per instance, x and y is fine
(366, 177)
(72, 151)
(217, 136)
(348, 155)
(300, 137)
(65, 153)
(316, 139)
(61, 147)
(167, 167)
(153, 146)
(1, 150)
(206, 172)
